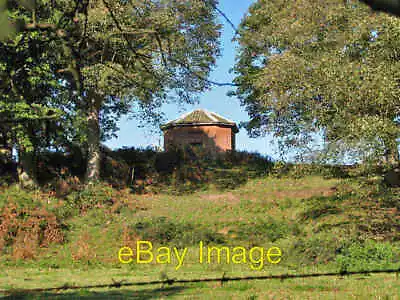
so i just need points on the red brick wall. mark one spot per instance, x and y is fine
(215, 138)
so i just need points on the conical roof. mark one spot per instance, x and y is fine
(200, 117)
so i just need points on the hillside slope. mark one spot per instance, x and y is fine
(319, 225)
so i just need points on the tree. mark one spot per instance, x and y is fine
(390, 6)
(141, 51)
(30, 106)
(306, 69)
(115, 53)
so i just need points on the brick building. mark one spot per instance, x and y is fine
(201, 128)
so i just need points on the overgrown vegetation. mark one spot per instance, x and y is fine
(148, 171)
(60, 89)
(27, 225)
(316, 220)
(174, 233)
(322, 223)
(324, 79)
(367, 255)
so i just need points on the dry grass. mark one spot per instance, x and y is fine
(97, 234)
(81, 250)
(26, 230)
(226, 198)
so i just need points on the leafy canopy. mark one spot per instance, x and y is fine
(125, 51)
(306, 70)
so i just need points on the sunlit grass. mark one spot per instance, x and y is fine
(308, 218)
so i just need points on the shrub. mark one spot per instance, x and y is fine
(229, 179)
(263, 230)
(367, 255)
(319, 210)
(20, 197)
(302, 170)
(55, 167)
(142, 160)
(115, 171)
(97, 195)
(24, 230)
(60, 165)
(187, 169)
(315, 249)
(164, 231)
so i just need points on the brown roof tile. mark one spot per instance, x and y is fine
(200, 117)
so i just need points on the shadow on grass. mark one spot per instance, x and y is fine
(321, 206)
(108, 294)
(373, 210)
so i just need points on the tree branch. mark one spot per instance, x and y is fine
(46, 26)
(182, 64)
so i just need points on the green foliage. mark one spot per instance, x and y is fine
(367, 255)
(36, 103)
(21, 198)
(291, 214)
(327, 171)
(93, 200)
(229, 179)
(165, 231)
(317, 249)
(143, 160)
(186, 170)
(90, 197)
(299, 170)
(263, 230)
(27, 224)
(307, 71)
(320, 210)
(73, 68)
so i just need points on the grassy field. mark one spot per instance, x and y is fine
(321, 225)
(354, 287)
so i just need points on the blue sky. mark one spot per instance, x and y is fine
(214, 100)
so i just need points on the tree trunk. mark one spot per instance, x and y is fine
(392, 172)
(5, 145)
(93, 139)
(392, 158)
(6, 160)
(27, 169)
(5, 153)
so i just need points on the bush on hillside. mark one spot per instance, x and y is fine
(367, 255)
(26, 225)
(282, 169)
(321, 248)
(164, 231)
(191, 168)
(262, 230)
(57, 168)
(90, 197)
